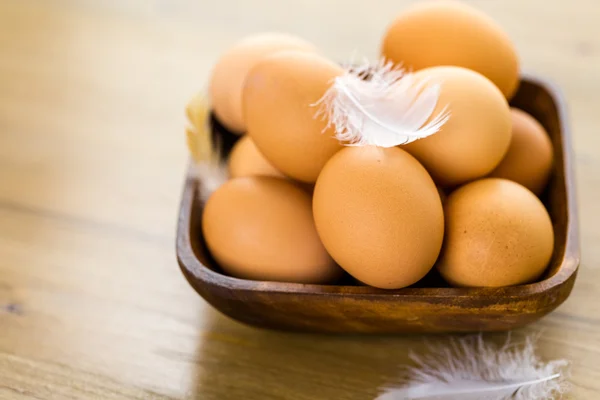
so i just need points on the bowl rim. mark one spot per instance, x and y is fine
(569, 263)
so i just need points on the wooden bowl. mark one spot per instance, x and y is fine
(348, 308)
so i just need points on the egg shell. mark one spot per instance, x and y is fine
(477, 134)
(230, 71)
(530, 154)
(261, 228)
(434, 33)
(498, 233)
(246, 160)
(279, 107)
(379, 215)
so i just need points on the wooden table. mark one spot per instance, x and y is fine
(92, 159)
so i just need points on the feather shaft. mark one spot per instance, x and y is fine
(418, 391)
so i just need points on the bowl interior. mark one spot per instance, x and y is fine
(534, 96)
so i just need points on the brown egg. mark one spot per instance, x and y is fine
(498, 233)
(262, 228)
(476, 136)
(246, 160)
(230, 71)
(379, 215)
(437, 33)
(278, 99)
(529, 157)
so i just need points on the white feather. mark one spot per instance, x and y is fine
(210, 176)
(469, 368)
(380, 105)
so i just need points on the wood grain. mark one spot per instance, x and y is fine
(92, 159)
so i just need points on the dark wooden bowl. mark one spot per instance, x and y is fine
(348, 308)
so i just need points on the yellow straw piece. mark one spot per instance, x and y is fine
(197, 110)
(198, 134)
(192, 144)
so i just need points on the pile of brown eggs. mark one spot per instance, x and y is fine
(301, 206)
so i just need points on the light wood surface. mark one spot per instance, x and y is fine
(92, 161)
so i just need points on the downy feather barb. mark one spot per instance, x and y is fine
(469, 368)
(381, 105)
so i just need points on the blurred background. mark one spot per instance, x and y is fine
(92, 161)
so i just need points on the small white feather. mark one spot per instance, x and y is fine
(469, 368)
(380, 105)
(210, 177)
